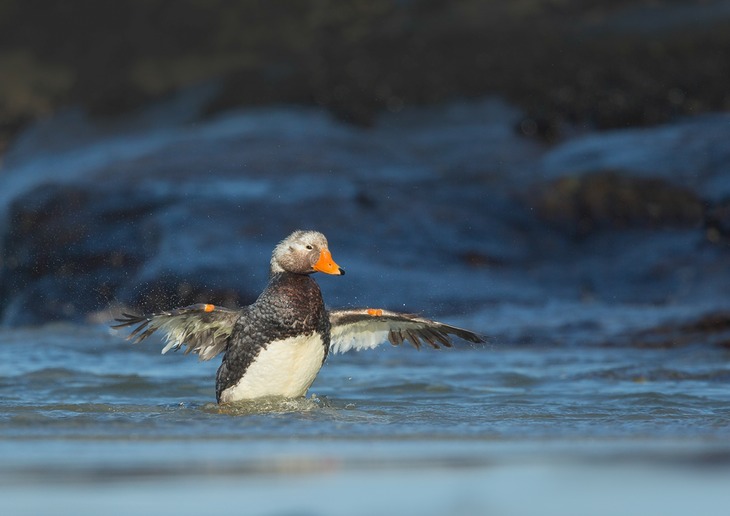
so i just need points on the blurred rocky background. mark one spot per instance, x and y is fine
(542, 170)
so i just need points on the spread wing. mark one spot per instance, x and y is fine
(203, 328)
(368, 328)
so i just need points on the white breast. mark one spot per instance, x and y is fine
(285, 368)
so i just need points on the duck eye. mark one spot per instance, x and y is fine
(309, 247)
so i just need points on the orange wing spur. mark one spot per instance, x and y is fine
(203, 328)
(368, 328)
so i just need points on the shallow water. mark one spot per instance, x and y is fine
(89, 419)
(67, 381)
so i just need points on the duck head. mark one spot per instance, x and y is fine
(304, 252)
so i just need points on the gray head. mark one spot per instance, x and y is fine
(304, 252)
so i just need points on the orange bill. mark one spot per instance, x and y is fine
(326, 264)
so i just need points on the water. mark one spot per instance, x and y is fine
(91, 422)
(565, 411)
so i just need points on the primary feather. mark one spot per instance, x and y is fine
(368, 328)
(202, 328)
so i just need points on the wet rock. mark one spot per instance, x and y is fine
(599, 64)
(581, 205)
(717, 223)
(708, 329)
(545, 128)
(690, 153)
(69, 248)
(160, 216)
(424, 209)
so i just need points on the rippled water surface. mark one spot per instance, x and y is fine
(83, 382)
(82, 408)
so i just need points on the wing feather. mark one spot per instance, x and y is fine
(413, 338)
(428, 336)
(204, 329)
(368, 328)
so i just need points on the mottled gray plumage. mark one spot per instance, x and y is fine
(290, 310)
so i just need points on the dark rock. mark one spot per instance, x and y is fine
(72, 250)
(63, 257)
(545, 128)
(709, 329)
(424, 210)
(581, 205)
(478, 259)
(601, 64)
(717, 223)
